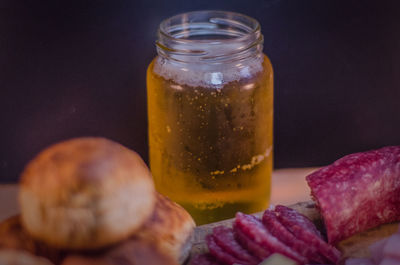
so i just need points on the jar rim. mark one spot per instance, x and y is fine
(163, 28)
(201, 34)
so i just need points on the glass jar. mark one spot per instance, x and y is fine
(210, 113)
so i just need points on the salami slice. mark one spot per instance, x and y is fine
(250, 245)
(204, 259)
(358, 192)
(256, 231)
(304, 230)
(224, 237)
(220, 254)
(296, 218)
(278, 230)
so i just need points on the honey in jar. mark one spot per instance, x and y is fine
(210, 113)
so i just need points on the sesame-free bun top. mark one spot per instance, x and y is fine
(85, 193)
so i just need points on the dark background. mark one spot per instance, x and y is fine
(77, 68)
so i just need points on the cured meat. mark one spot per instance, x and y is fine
(251, 246)
(295, 218)
(224, 237)
(220, 254)
(304, 230)
(255, 230)
(358, 192)
(328, 251)
(204, 259)
(278, 230)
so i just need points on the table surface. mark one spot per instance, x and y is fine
(288, 187)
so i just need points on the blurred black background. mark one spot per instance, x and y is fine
(77, 68)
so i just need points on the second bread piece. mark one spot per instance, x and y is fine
(85, 193)
(171, 227)
(129, 252)
(20, 257)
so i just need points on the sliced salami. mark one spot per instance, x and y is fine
(224, 237)
(250, 245)
(256, 231)
(204, 259)
(328, 251)
(220, 254)
(358, 192)
(299, 225)
(277, 229)
(296, 218)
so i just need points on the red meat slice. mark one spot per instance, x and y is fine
(220, 254)
(224, 237)
(255, 230)
(277, 229)
(250, 245)
(304, 230)
(358, 192)
(297, 218)
(204, 259)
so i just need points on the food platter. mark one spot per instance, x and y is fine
(353, 247)
(358, 207)
(355, 205)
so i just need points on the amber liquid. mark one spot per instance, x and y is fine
(211, 148)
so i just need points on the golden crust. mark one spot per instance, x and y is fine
(85, 193)
(171, 227)
(132, 252)
(14, 236)
(20, 257)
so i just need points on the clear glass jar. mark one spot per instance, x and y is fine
(210, 111)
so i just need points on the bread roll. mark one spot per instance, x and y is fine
(20, 257)
(14, 237)
(85, 193)
(170, 227)
(130, 252)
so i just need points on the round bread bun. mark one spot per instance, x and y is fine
(171, 227)
(85, 193)
(19, 257)
(14, 236)
(130, 252)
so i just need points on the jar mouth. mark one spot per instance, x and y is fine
(209, 35)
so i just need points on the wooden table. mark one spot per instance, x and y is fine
(288, 187)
